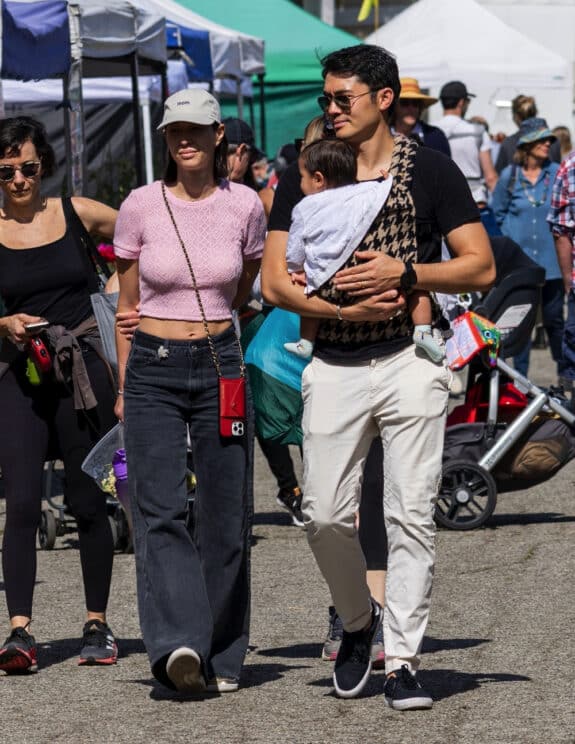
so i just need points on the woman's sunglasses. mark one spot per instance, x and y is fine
(29, 169)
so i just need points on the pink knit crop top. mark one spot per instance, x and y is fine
(219, 232)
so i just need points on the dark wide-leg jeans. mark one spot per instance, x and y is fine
(193, 591)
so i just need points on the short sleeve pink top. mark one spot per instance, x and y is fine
(220, 232)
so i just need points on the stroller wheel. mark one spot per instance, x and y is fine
(47, 530)
(467, 496)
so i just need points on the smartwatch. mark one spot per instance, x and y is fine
(408, 279)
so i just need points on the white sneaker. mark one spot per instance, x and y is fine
(184, 668)
(302, 348)
(222, 684)
(424, 338)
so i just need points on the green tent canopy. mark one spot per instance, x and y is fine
(294, 43)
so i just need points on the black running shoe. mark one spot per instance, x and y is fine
(98, 645)
(18, 655)
(353, 663)
(290, 499)
(403, 691)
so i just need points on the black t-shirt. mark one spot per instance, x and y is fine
(440, 194)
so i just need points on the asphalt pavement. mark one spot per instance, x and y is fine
(498, 655)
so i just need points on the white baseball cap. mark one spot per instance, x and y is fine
(193, 105)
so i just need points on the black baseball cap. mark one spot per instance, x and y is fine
(239, 132)
(455, 89)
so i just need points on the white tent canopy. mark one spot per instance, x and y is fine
(115, 29)
(96, 90)
(550, 22)
(440, 40)
(234, 54)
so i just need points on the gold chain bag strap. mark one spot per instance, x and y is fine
(232, 390)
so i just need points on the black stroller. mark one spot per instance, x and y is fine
(509, 433)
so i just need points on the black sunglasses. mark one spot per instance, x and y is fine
(29, 169)
(343, 101)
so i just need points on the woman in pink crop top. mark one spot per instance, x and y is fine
(193, 589)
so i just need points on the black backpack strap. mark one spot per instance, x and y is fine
(98, 270)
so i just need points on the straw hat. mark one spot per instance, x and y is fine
(410, 89)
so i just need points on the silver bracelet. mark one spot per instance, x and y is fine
(120, 392)
(338, 312)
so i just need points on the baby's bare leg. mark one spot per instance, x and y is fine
(420, 308)
(308, 328)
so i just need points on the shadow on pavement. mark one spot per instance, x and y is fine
(441, 683)
(432, 645)
(374, 686)
(444, 683)
(57, 652)
(504, 520)
(253, 675)
(297, 651)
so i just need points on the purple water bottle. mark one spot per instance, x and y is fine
(121, 474)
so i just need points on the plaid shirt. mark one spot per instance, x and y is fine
(561, 217)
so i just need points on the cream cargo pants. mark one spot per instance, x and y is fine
(404, 397)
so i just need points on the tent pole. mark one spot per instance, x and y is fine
(263, 133)
(165, 86)
(240, 98)
(147, 126)
(67, 130)
(74, 130)
(140, 176)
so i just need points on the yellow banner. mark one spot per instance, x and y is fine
(365, 9)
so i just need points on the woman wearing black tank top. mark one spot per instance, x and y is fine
(43, 276)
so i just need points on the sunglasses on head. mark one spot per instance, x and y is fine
(29, 169)
(410, 102)
(343, 101)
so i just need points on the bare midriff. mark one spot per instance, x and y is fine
(181, 330)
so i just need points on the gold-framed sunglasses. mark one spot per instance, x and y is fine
(343, 101)
(29, 169)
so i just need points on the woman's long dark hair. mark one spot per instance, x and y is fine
(16, 131)
(220, 162)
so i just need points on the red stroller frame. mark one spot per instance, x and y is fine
(500, 404)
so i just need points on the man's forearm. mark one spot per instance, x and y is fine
(564, 248)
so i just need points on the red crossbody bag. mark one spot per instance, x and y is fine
(232, 390)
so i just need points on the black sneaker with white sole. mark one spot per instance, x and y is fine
(353, 662)
(290, 499)
(403, 691)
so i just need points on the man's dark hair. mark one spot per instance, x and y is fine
(334, 159)
(16, 131)
(449, 103)
(374, 66)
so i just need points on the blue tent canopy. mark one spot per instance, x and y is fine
(35, 39)
(196, 45)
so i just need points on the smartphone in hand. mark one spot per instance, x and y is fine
(32, 328)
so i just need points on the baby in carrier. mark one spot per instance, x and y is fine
(327, 227)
